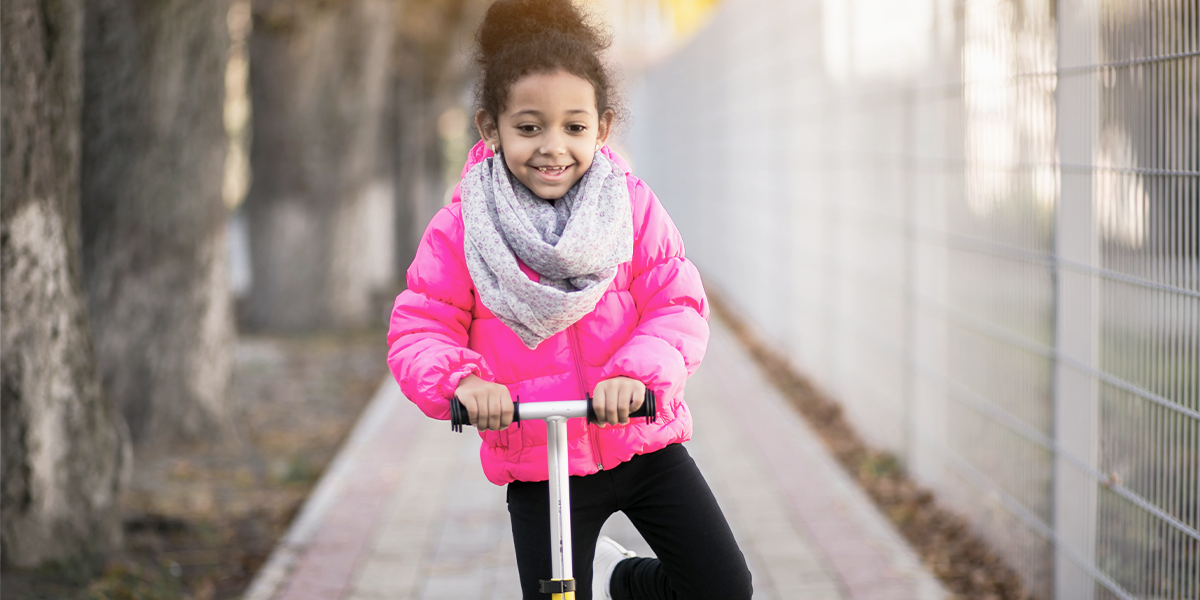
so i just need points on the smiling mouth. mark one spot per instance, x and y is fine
(557, 170)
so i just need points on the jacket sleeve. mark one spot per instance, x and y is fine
(428, 331)
(672, 332)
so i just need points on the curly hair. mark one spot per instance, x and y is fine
(521, 37)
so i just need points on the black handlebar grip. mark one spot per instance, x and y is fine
(648, 409)
(458, 415)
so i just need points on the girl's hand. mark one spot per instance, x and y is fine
(613, 400)
(488, 404)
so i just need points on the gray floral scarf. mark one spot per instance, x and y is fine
(574, 243)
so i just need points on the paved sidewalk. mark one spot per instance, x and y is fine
(405, 511)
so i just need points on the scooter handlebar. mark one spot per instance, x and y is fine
(559, 408)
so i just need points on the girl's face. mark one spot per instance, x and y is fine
(549, 131)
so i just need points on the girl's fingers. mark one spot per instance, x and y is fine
(624, 398)
(613, 400)
(493, 416)
(635, 393)
(488, 404)
(494, 410)
(487, 412)
(477, 408)
(605, 403)
(639, 398)
(506, 408)
(481, 410)
(598, 405)
(616, 400)
(614, 403)
(468, 401)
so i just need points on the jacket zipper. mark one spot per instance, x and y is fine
(576, 357)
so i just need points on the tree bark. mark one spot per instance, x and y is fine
(65, 451)
(155, 258)
(431, 75)
(320, 207)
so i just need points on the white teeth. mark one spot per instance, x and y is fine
(551, 170)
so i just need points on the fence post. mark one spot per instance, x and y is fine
(1076, 393)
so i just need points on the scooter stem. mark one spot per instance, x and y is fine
(562, 583)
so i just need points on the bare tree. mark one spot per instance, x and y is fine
(65, 450)
(153, 219)
(321, 203)
(431, 75)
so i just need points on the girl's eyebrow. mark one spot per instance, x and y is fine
(538, 113)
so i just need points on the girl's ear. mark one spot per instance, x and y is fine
(606, 121)
(487, 127)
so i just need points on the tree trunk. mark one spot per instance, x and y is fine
(429, 78)
(155, 259)
(65, 451)
(321, 204)
(420, 168)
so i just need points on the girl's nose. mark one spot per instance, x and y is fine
(554, 143)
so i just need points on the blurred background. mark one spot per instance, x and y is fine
(975, 223)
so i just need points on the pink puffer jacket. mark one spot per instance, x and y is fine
(651, 325)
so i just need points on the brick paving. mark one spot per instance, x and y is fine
(405, 512)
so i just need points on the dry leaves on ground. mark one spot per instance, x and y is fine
(962, 560)
(200, 519)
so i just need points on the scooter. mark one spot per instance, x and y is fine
(561, 585)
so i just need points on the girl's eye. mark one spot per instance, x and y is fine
(527, 128)
(576, 128)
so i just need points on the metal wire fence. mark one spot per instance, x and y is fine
(977, 224)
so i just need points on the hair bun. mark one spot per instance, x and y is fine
(520, 37)
(511, 22)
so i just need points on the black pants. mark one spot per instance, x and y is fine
(666, 498)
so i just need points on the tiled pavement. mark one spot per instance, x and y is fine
(405, 511)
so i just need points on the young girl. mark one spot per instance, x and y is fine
(556, 274)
